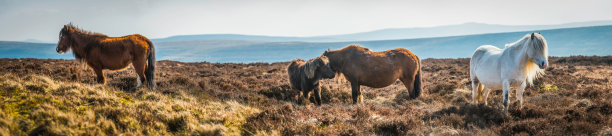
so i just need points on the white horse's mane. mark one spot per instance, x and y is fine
(532, 70)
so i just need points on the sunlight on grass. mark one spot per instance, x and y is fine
(40, 105)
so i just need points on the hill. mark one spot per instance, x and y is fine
(562, 42)
(58, 97)
(241, 37)
(391, 33)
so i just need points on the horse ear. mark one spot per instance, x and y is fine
(309, 69)
(532, 35)
(323, 60)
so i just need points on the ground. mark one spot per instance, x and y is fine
(60, 97)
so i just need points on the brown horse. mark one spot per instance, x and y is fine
(360, 66)
(305, 75)
(101, 52)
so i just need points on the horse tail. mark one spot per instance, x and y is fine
(417, 82)
(150, 70)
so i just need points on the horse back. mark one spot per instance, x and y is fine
(485, 51)
(379, 69)
(404, 53)
(115, 53)
(295, 73)
(485, 65)
(398, 58)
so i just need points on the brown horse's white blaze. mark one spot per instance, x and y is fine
(360, 66)
(101, 52)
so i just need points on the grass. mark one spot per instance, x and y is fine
(39, 105)
(57, 97)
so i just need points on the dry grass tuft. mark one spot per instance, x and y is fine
(38, 105)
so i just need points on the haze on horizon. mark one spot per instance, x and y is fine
(42, 19)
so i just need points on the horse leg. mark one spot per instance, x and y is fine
(409, 84)
(355, 92)
(506, 89)
(305, 95)
(519, 93)
(317, 95)
(485, 92)
(475, 90)
(139, 67)
(100, 75)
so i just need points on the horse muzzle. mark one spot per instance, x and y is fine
(543, 64)
(59, 51)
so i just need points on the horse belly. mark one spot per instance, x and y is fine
(379, 79)
(493, 85)
(117, 65)
(489, 77)
(378, 83)
(488, 69)
(116, 61)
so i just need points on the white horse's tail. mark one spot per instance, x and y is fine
(476, 85)
(475, 58)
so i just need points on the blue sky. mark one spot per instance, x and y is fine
(42, 19)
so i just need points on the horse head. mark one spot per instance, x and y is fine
(538, 50)
(319, 66)
(65, 41)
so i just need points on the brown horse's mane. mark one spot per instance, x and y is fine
(352, 47)
(73, 31)
(298, 62)
(301, 62)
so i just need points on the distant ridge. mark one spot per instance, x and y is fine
(594, 40)
(391, 33)
(587, 41)
(34, 41)
(240, 37)
(469, 28)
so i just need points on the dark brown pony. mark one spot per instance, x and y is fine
(305, 76)
(101, 52)
(360, 66)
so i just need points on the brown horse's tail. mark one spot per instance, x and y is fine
(150, 70)
(417, 82)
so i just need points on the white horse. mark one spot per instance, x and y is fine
(516, 65)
